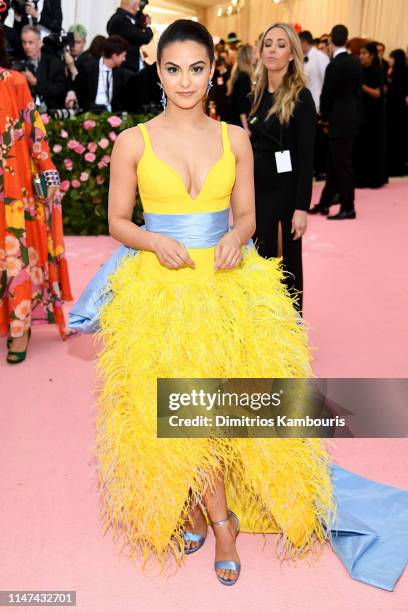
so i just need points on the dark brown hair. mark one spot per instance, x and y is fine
(114, 44)
(95, 47)
(186, 29)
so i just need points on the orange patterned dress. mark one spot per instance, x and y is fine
(34, 279)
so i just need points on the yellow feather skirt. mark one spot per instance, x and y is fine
(190, 324)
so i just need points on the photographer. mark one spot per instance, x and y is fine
(103, 85)
(130, 22)
(45, 14)
(44, 72)
(74, 55)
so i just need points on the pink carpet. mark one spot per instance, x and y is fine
(50, 535)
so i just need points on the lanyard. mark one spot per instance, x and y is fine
(255, 120)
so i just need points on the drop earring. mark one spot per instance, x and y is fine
(210, 84)
(163, 97)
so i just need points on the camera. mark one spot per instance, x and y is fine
(64, 113)
(23, 65)
(140, 17)
(18, 5)
(58, 42)
(19, 8)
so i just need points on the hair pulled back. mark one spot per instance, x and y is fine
(182, 30)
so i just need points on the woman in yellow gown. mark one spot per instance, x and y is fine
(194, 302)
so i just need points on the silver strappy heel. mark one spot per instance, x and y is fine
(228, 565)
(190, 536)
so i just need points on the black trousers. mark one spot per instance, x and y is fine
(340, 177)
(266, 241)
(321, 149)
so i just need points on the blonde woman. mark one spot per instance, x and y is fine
(282, 122)
(239, 88)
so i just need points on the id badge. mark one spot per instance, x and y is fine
(283, 161)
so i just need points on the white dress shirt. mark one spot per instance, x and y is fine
(340, 50)
(315, 67)
(105, 85)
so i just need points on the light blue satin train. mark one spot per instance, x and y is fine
(84, 315)
(370, 534)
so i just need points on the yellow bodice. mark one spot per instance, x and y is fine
(162, 190)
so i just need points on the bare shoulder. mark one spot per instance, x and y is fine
(240, 143)
(129, 144)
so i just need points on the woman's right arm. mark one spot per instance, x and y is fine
(374, 92)
(374, 85)
(126, 154)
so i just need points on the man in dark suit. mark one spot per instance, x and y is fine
(383, 62)
(45, 14)
(45, 73)
(103, 84)
(130, 23)
(340, 111)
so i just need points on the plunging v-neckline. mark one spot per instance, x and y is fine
(177, 174)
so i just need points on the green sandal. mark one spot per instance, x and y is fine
(19, 355)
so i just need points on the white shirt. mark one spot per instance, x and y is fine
(104, 91)
(315, 69)
(340, 50)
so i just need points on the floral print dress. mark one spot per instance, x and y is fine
(34, 279)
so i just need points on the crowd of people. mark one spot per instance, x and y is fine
(63, 74)
(379, 146)
(336, 97)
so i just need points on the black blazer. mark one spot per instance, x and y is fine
(124, 90)
(340, 100)
(278, 195)
(13, 42)
(239, 102)
(126, 25)
(52, 81)
(51, 15)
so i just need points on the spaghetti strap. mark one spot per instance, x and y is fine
(225, 138)
(146, 137)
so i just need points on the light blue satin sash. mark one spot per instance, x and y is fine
(194, 230)
(370, 534)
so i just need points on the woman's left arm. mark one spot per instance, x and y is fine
(305, 129)
(228, 250)
(37, 141)
(243, 100)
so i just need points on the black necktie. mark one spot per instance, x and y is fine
(305, 59)
(108, 86)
